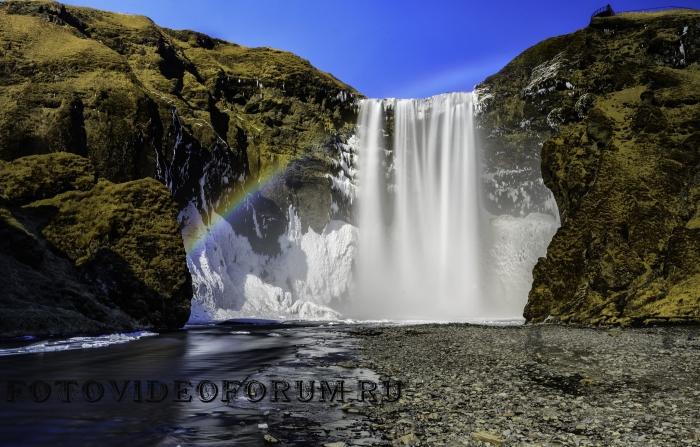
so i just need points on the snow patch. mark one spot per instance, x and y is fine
(345, 179)
(543, 77)
(482, 98)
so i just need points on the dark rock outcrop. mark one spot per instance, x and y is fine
(90, 255)
(614, 110)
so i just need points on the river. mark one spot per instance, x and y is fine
(245, 351)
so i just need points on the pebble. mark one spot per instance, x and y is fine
(408, 439)
(537, 385)
(271, 439)
(487, 437)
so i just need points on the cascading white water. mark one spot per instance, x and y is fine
(419, 218)
(427, 248)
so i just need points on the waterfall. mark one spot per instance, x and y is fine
(427, 249)
(420, 244)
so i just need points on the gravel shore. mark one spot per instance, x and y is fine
(537, 385)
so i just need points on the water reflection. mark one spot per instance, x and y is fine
(235, 351)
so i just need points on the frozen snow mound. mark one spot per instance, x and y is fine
(312, 272)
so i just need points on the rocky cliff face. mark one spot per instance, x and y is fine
(614, 110)
(133, 101)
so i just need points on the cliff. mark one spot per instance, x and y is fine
(614, 111)
(93, 107)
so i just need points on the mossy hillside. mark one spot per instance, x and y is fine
(615, 109)
(88, 95)
(102, 84)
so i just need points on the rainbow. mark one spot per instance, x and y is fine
(195, 237)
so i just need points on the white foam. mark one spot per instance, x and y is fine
(72, 343)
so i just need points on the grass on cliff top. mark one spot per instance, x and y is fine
(97, 17)
(52, 43)
(624, 19)
(261, 63)
(645, 15)
(245, 62)
(107, 19)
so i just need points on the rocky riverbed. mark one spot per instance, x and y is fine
(537, 385)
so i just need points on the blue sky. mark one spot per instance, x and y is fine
(384, 48)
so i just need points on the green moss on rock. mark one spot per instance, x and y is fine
(128, 231)
(103, 84)
(40, 176)
(113, 251)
